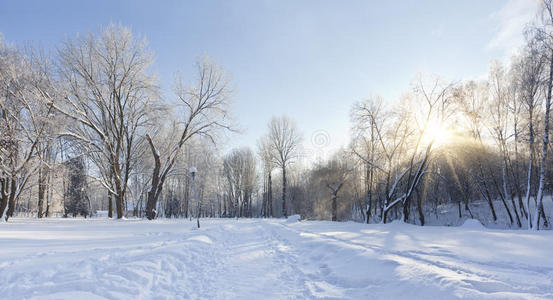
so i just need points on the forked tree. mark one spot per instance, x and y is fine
(284, 141)
(204, 112)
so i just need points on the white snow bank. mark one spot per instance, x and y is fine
(293, 219)
(473, 224)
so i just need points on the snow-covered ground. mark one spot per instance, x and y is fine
(269, 259)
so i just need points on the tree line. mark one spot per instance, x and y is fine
(97, 98)
(95, 109)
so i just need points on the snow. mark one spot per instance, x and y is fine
(293, 219)
(472, 224)
(269, 259)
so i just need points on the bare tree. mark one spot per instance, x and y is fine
(25, 109)
(240, 171)
(333, 175)
(544, 35)
(265, 155)
(284, 140)
(499, 127)
(391, 131)
(529, 71)
(109, 96)
(472, 99)
(365, 144)
(204, 112)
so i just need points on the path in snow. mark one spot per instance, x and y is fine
(269, 259)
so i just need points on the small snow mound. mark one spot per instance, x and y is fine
(293, 219)
(473, 224)
(201, 238)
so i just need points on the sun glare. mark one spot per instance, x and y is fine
(437, 134)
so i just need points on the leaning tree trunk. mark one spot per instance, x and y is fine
(157, 183)
(502, 196)
(486, 194)
(419, 208)
(485, 191)
(504, 174)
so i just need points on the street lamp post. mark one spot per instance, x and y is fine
(193, 172)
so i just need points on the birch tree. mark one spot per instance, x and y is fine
(499, 126)
(530, 70)
(544, 35)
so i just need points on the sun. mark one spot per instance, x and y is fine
(437, 134)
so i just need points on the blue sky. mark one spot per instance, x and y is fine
(310, 60)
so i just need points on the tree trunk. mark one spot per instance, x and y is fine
(11, 198)
(119, 196)
(490, 203)
(384, 211)
(119, 206)
(406, 211)
(506, 207)
(369, 192)
(42, 175)
(264, 200)
(519, 224)
(542, 214)
(187, 197)
(3, 196)
(157, 183)
(334, 208)
(504, 172)
(502, 196)
(539, 197)
(530, 163)
(47, 209)
(199, 208)
(110, 205)
(284, 212)
(3, 205)
(270, 196)
(419, 208)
